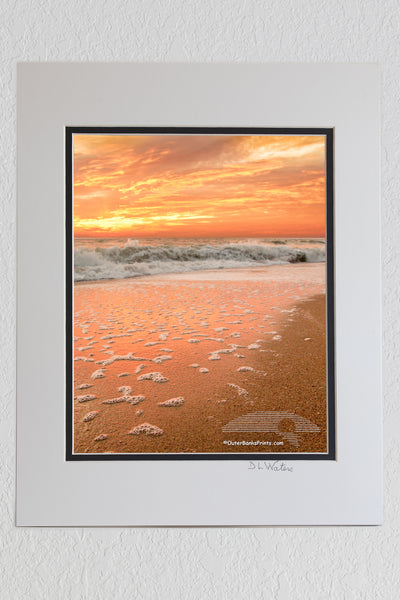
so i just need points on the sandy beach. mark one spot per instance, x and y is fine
(221, 361)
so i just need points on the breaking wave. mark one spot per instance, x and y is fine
(132, 260)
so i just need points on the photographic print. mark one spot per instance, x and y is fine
(199, 293)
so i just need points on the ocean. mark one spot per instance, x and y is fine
(121, 258)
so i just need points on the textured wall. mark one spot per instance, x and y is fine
(345, 563)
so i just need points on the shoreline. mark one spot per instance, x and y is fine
(241, 358)
(237, 273)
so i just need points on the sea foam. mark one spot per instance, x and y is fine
(146, 429)
(86, 398)
(173, 402)
(99, 374)
(116, 400)
(90, 416)
(114, 358)
(135, 399)
(152, 377)
(240, 391)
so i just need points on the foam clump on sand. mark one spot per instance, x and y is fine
(110, 361)
(253, 346)
(116, 400)
(214, 356)
(84, 359)
(194, 365)
(193, 341)
(101, 437)
(123, 374)
(135, 399)
(146, 429)
(244, 369)
(153, 377)
(85, 386)
(277, 338)
(125, 389)
(86, 398)
(139, 412)
(204, 370)
(240, 391)
(90, 416)
(173, 402)
(161, 359)
(99, 374)
(139, 368)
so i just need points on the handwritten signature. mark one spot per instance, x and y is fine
(275, 466)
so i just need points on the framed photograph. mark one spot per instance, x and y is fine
(206, 256)
(196, 246)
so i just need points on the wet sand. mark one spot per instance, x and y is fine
(229, 343)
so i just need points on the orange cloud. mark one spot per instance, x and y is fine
(199, 185)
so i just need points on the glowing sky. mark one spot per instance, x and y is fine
(199, 185)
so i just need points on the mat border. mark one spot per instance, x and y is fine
(180, 493)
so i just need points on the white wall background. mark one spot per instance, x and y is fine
(294, 563)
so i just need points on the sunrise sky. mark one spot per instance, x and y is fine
(199, 185)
